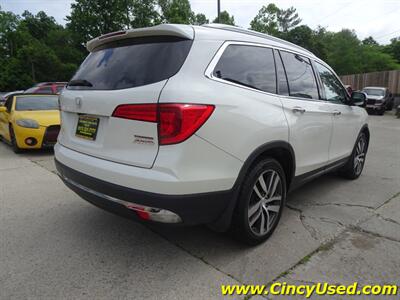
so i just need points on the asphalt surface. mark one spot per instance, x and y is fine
(55, 245)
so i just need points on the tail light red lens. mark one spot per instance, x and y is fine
(176, 121)
(138, 112)
(180, 121)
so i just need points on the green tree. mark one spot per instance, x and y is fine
(92, 18)
(143, 13)
(274, 21)
(348, 55)
(370, 41)
(200, 19)
(8, 39)
(225, 18)
(393, 48)
(176, 11)
(307, 38)
(34, 48)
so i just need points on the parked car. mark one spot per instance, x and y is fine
(30, 121)
(205, 124)
(6, 95)
(46, 88)
(379, 99)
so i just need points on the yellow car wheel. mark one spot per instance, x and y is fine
(14, 144)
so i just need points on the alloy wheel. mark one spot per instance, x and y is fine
(265, 202)
(359, 157)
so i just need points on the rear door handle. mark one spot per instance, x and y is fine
(336, 113)
(298, 109)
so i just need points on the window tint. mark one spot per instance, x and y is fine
(334, 90)
(248, 65)
(37, 103)
(300, 76)
(283, 88)
(132, 62)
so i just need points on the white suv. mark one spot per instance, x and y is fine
(204, 125)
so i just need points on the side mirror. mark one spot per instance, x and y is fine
(3, 109)
(358, 98)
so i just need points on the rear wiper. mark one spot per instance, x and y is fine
(80, 82)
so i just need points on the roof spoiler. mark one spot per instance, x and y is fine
(183, 31)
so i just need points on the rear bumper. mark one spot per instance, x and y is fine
(192, 209)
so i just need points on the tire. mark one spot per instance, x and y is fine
(354, 167)
(14, 144)
(260, 203)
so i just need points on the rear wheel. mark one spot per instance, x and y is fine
(14, 144)
(354, 167)
(260, 203)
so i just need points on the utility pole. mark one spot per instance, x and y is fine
(219, 11)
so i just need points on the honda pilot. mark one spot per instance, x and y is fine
(206, 124)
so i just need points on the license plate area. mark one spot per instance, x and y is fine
(87, 127)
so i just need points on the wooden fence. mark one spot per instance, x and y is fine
(389, 79)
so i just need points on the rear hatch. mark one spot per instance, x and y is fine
(124, 68)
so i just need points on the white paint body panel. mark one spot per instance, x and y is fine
(115, 139)
(194, 166)
(309, 132)
(346, 127)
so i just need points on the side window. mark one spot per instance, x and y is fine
(334, 91)
(283, 88)
(300, 75)
(250, 66)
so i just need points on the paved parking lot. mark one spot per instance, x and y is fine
(55, 245)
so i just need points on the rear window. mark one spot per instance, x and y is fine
(131, 63)
(36, 103)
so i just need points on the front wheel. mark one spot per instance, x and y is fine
(355, 165)
(260, 203)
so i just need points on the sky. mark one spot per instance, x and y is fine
(376, 18)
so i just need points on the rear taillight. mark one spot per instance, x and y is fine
(176, 121)
(138, 112)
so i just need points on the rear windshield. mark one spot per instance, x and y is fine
(131, 63)
(36, 103)
(374, 92)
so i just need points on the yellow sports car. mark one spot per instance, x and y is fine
(30, 121)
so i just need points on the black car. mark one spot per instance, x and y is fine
(379, 99)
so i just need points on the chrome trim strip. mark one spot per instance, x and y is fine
(211, 66)
(101, 195)
(156, 214)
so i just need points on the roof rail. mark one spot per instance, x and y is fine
(255, 33)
